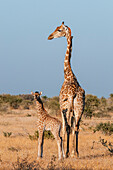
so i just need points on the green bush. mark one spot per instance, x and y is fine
(15, 101)
(27, 97)
(103, 101)
(101, 114)
(44, 97)
(106, 128)
(7, 134)
(52, 104)
(107, 144)
(4, 107)
(47, 135)
(110, 109)
(111, 95)
(91, 104)
(26, 104)
(103, 104)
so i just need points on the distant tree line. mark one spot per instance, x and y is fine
(94, 106)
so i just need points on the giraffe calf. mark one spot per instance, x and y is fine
(47, 122)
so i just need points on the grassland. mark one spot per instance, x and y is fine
(19, 151)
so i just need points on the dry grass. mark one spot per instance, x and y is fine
(19, 152)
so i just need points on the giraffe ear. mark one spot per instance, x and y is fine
(63, 23)
(32, 93)
(40, 93)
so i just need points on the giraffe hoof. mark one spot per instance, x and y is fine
(64, 157)
(77, 156)
(67, 155)
(39, 158)
(74, 155)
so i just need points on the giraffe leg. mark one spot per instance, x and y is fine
(40, 145)
(68, 136)
(59, 149)
(79, 103)
(70, 111)
(74, 151)
(63, 135)
(73, 143)
(59, 143)
(62, 143)
(62, 147)
(67, 129)
(77, 153)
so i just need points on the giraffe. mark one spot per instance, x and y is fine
(47, 122)
(72, 96)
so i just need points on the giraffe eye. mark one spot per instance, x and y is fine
(60, 30)
(66, 28)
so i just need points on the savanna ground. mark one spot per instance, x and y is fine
(18, 144)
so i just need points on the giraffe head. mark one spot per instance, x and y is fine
(61, 31)
(36, 95)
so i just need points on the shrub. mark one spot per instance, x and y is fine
(47, 135)
(52, 104)
(27, 97)
(107, 144)
(110, 109)
(24, 164)
(111, 95)
(7, 134)
(13, 149)
(103, 101)
(14, 101)
(101, 114)
(88, 112)
(4, 107)
(44, 97)
(26, 104)
(106, 128)
(91, 104)
(103, 104)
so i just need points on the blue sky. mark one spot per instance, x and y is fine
(28, 61)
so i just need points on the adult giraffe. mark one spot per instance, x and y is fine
(72, 96)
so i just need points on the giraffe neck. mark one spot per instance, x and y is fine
(39, 105)
(67, 66)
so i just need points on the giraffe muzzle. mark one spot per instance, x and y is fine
(50, 37)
